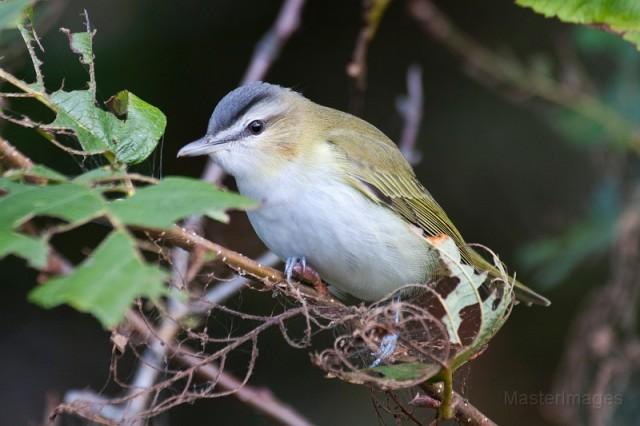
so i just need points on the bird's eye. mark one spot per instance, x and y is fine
(256, 127)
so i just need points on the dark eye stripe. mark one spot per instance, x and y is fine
(252, 102)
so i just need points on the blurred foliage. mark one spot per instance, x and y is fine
(555, 257)
(11, 13)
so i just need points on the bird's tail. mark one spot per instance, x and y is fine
(523, 293)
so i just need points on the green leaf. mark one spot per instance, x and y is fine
(131, 140)
(159, 206)
(81, 44)
(621, 16)
(138, 135)
(106, 283)
(99, 173)
(11, 12)
(37, 171)
(76, 111)
(32, 249)
(407, 371)
(68, 201)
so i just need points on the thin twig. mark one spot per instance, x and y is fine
(150, 365)
(410, 108)
(268, 49)
(357, 68)
(262, 400)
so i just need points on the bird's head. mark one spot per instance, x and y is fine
(255, 128)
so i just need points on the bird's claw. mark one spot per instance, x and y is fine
(290, 266)
(297, 265)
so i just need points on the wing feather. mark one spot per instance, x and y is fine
(374, 165)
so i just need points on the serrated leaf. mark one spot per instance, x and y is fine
(159, 206)
(621, 16)
(106, 283)
(11, 12)
(68, 201)
(138, 135)
(34, 250)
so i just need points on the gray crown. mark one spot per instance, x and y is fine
(237, 102)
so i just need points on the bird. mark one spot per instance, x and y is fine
(335, 193)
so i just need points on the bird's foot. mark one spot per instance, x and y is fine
(298, 265)
(290, 266)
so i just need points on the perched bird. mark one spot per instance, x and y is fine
(335, 192)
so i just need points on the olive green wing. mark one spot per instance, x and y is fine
(374, 165)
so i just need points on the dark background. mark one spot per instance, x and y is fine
(501, 172)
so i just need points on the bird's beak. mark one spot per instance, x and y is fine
(202, 146)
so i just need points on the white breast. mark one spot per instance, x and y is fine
(359, 247)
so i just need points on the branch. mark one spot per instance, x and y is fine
(464, 412)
